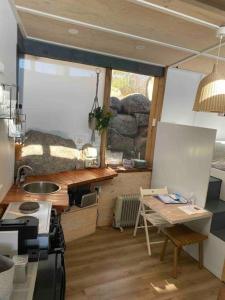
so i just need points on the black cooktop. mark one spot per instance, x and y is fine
(29, 207)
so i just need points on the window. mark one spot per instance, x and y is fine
(60, 94)
(130, 104)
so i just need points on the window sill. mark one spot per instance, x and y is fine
(121, 169)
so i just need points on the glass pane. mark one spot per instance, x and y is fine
(130, 104)
(61, 94)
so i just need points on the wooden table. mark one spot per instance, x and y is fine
(171, 212)
(63, 179)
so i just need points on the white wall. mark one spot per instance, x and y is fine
(181, 87)
(58, 96)
(8, 38)
(182, 159)
(212, 120)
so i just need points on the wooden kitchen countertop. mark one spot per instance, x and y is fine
(63, 179)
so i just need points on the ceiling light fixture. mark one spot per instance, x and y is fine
(210, 95)
(140, 47)
(73, 31)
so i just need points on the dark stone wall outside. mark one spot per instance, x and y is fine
(128, 128)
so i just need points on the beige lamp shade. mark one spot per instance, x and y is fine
(210, 95)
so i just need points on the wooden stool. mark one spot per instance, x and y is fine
(180, 236)
(221, 295)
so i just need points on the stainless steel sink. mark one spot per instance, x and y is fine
(41, 187)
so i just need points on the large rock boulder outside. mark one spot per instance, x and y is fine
(141, 119)
(135, 103)
(143, 131)
(115, 104)
(113, 111)
(140, 145)
(47, 153)
(129, 128)
(117, 142)
(124, 125)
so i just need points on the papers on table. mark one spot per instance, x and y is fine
(192, 209)
(174, 198)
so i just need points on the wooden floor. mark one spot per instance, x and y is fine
(110, 265)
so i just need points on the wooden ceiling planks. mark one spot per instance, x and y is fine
(56, 31)
(215, 4)
(195, 9)
(123, 25)
(130, 18)
(202, 64)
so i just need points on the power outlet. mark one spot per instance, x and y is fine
(98, 189)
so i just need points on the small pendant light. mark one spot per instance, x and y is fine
(210, 95)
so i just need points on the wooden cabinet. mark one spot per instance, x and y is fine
(79, 222)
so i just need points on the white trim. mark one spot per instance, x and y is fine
(104, 29)
(18, 19)
(95, 51)
(174, 13)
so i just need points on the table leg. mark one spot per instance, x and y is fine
(175, 262)
(200, 253)
(164, 249)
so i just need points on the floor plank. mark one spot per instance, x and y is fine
(110, 265)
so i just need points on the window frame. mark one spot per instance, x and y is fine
(154, 116)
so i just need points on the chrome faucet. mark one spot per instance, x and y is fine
(21, 174)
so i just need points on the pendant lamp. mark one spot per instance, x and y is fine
(210, 95)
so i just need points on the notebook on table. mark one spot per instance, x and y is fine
(173, 198)
(192, 209)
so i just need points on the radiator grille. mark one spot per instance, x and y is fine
(126, 210)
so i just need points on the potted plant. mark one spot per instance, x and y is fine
(99, 119)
